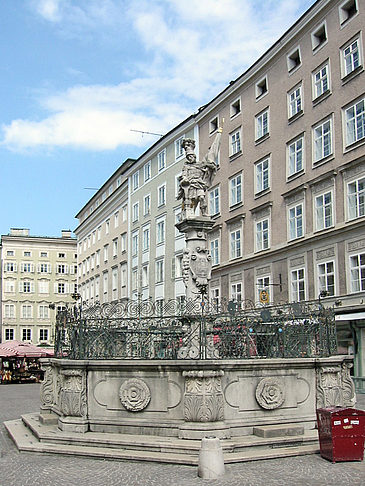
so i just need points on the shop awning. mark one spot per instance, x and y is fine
(24, 350)
(351, 316)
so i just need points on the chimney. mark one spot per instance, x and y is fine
(19, 232)
(66, 233)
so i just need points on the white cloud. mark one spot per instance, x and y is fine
(195, 48)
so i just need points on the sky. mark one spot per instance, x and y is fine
(77, 76)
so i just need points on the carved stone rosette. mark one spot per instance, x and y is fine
(270, 393)
(134, 394)
(335, 387)
(203, 397)
(73, 393)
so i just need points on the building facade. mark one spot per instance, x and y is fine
(38, 277)
(289, 196)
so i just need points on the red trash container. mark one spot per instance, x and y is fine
(341, 433)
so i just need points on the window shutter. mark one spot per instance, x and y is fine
(32, 268)
(173, 268)
(39, 268)
(22, 267)
(55, 288)
(49, 268)
(32, 287)
(67, 288)
(20, 286)
(66, 268)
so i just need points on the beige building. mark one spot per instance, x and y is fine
(38, 276)
(289, 196)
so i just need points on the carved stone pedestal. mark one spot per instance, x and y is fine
(73, 403)
(203, 403)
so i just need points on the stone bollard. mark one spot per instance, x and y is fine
(211, 462)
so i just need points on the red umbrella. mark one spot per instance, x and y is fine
(6, 353)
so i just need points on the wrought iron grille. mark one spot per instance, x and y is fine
(195, 330)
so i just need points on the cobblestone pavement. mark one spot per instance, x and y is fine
(30, 469)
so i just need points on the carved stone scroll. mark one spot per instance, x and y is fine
(46, 392)
(203, 398)
(73, 393)
(335, 387)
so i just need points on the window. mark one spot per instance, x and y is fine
(146, 239)
(161, 160)
(296, 222)
(214, 201)
(92, 262)
(262, 235)
(178, 266)
(295, 156)
(135, 212)
(297, 285)
(356, 198)
(27, 311)
(43, 334)
(262, 176)
(235, 190)
(319, 36)
(324, 211)
(179, 150)
(26, 287)
(105, 282)
(44, 268)
(26, 334)
(147, 171)
(9, 311)
(161, 195)
(236, 292)
(124, 214)
(147, 205)
(326, 278)
(135, 243)
(134, 276)
(27, 267)
(322, 139)
(351, 59)
(99, 233)
(357, 272)
(62, 255)
(116, 219)
(321, 82)
(10, 267)
(43, 254)
(145, 276)
(43, 287)
(235, 108)
(262, 124)
(215, 297)
(235, 243)
(9, 286)
(295, 102)
(106, 253)
(177, 220)
(213, 125)
(9, 334)
(115, 247)
(115, 283)
(235, 142)
(355, 122)
(159, 271)
(214, 251)
(261, 87)
(262, 285)
(43, 312)
(123, 242)
(119, 181)
(97, 258)
(160, 232)
(60, 288)
(294, 60)
(107, 226)
(10, 253)
(135, 181)
(347, 10)
(61, 268)
(27, 253)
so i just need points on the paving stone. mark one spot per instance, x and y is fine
(30, 469)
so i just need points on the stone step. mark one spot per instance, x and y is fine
(285, 430)
(52, 434)
(27, 442)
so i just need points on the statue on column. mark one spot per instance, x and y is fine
(197, 177)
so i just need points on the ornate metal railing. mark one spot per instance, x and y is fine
(195, 330)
